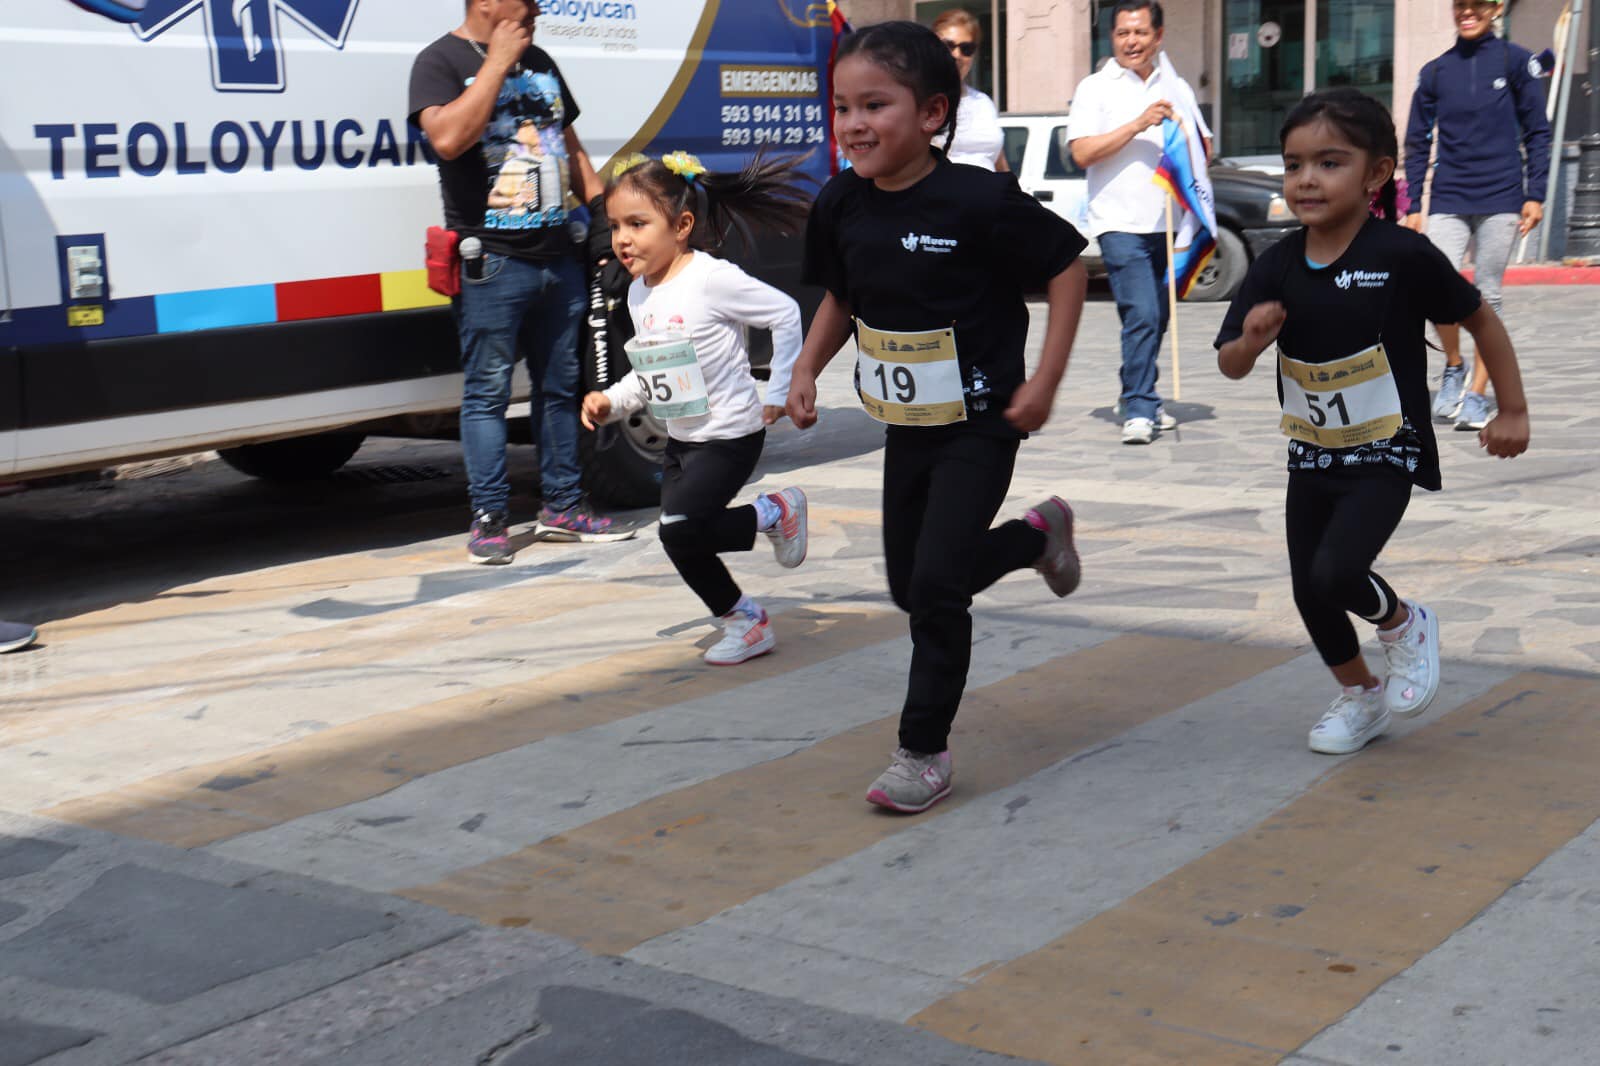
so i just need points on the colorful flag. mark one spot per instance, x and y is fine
(1182, 173)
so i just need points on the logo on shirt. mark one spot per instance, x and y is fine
(1499, 83)
(1362, 279)
(914, 241)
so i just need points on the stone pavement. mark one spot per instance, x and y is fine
(303, 787)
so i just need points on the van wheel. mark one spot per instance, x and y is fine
(1221, 277)
(622, 461)
(295, 459)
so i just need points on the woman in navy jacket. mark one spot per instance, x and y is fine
(1483, 101)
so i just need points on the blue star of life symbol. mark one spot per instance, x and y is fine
(246, 46)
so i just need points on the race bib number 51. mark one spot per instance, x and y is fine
(1343, 404)
(909, 379)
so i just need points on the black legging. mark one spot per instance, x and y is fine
(1337, 524)
(941, 489)
(698, 480)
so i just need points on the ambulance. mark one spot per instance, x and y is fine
(212, 212)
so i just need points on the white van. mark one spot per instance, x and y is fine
(212, 211)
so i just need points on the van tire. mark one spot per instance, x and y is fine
(622, 462)
(1223, 275)
(294, 459)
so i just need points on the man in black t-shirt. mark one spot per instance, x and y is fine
(499, 116)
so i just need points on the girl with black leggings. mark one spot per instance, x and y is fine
(1346, 298)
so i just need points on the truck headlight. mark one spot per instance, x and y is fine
(1278, 210)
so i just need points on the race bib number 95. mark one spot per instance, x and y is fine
(670, 371)
(909, 379)
(1343, 404)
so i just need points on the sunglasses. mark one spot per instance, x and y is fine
(966, 48)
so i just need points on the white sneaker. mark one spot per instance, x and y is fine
(1357, 716)
(789, 535)
(743, 638)
(1138, 431)
(1164, 421)
(1412, 677)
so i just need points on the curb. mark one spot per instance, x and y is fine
(1548, 274)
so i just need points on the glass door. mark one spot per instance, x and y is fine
(1355, 46)
(1264, 60)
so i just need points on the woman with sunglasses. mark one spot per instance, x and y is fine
(979, 140)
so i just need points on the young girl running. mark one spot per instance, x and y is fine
(926, 262)
(1346, 297)
(692, 369)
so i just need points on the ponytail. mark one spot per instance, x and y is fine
(765, 194)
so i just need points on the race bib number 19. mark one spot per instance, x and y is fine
(909, 379)
(1342, 404)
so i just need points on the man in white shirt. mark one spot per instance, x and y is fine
(1114, 131)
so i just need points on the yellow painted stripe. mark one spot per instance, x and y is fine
(407, 289)
(685, 856)
(352, 645)
(354, 762)
(1245, 954)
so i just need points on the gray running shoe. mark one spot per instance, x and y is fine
(1452, 387)
(913, 782)
(1059, 565)
(1474, 412)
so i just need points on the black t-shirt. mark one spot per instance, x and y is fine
(957, 248)
(510, 191)
(1388, 283)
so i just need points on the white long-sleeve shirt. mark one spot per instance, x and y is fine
(711, 301)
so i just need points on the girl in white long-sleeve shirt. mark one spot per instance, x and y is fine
(660, 210)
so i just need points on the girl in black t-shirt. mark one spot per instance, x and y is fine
(926, 262)
(1346, 298)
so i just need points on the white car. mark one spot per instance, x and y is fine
(1251, 213)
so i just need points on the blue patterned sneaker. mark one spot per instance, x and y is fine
(579, 523)
(1447, 404)
(487, 543)
(14, 636)
(1474, 412)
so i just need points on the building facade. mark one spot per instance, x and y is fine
(1249, 61)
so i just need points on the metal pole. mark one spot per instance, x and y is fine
(1564, 94)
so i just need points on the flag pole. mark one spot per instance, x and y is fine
(1172, 306)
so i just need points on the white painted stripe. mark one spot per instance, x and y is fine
(1013, 870)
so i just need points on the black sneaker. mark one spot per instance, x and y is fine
(579, 523)
(14, 636)
(488, 543)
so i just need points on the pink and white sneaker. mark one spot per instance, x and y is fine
(913, 782)
(789, 535)
(743, 638)
(1412, 675)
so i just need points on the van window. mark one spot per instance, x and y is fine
(1058, 160)
(1016, 144)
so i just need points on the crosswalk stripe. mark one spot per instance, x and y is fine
(1243, 955)
(676, 860)
(204, 804)
(296, 655)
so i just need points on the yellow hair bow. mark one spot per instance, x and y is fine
(622, 166)
(683, 164)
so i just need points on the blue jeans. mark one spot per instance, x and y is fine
(534, 305)
(1137, 266)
